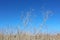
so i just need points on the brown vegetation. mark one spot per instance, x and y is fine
(28, 36)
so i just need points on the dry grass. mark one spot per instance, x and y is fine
(29, 36)
(26, 36)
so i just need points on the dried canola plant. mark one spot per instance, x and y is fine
(28, 36)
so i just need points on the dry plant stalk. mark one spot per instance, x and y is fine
(27, 36)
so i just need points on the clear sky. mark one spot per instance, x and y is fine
(12, 10)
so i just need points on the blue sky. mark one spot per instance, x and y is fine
(11, 11)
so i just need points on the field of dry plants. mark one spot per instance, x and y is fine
(28, 36)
